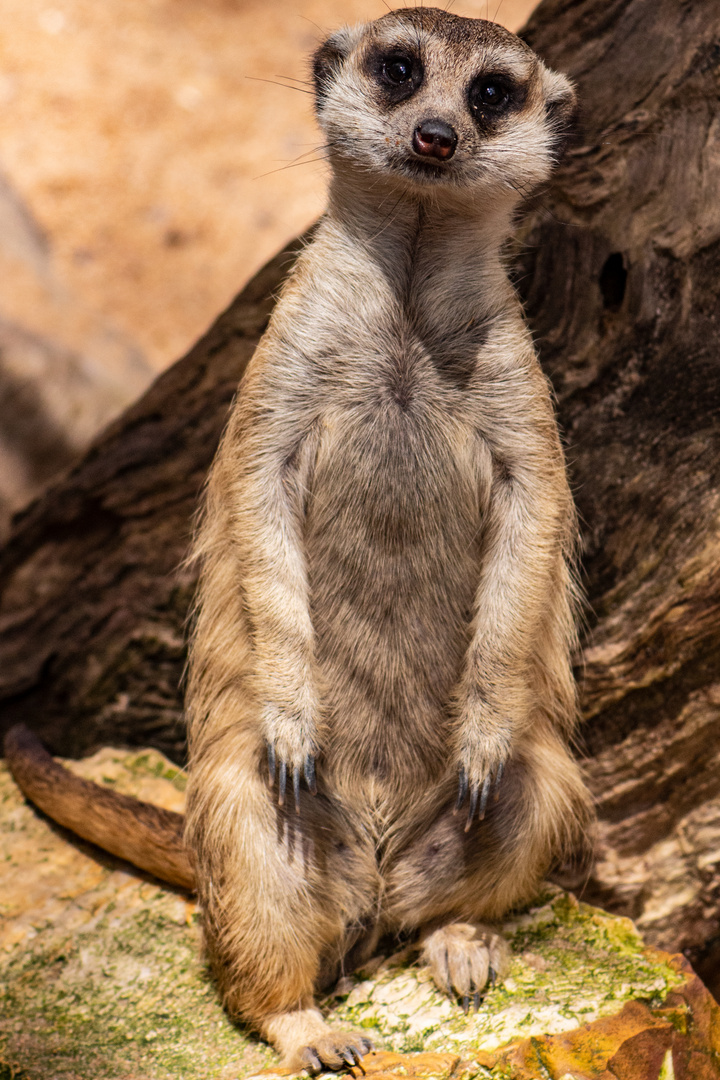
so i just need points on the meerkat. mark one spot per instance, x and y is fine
(380, 692)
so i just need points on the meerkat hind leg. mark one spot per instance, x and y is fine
(306, 1041)
(463, 957)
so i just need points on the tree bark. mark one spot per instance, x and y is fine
(618, 263)
(620, 278)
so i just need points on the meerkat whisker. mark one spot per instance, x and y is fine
(275, 82)
(291, 165)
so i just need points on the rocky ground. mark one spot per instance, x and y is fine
(146, 171)
(101, 977)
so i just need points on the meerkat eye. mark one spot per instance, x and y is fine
(397, 69)
(489, 94)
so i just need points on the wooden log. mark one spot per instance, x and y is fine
(620, 278)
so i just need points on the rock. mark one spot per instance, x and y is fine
(101, 977)
(64, 371)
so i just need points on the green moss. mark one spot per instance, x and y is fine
(127, 997)
(151, 763)
(571, 965)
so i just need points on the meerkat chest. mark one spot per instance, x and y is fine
(394, 521)
(393, 536)
(398, 456)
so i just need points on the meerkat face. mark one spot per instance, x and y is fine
(435, 100)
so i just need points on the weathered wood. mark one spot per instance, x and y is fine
(620, 278)
(619, 265)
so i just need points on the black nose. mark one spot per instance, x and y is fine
(435, 138)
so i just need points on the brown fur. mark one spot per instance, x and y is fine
(386, 548)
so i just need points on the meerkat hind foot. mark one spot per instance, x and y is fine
(464, 957)
(307, 1042)
(335, 1050)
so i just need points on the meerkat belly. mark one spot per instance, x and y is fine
(392, 538)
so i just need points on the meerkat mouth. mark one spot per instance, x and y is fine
(420, 169)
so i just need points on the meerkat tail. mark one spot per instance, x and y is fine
(145, 835)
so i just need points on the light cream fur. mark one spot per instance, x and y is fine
(386, 549)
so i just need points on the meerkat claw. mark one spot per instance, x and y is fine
(309, 771)
(311, 1060)
(282, 783)
(498, 779)
(279, 770)
(472, 807)
(480, 795)
(462, 789)
(484, 797)
(358, 1059)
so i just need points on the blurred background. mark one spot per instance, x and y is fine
(147, 169)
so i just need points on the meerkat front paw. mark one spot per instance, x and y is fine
(480, 773)
(291, 753)
(464, 958)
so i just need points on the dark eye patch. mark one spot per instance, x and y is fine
(493, 95)
(397, 72)
(327, 62)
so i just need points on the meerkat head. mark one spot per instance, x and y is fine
(432, 100)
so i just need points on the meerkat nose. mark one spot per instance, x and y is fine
(435, 138)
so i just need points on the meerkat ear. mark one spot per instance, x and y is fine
(561, 106)
(329, 58)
